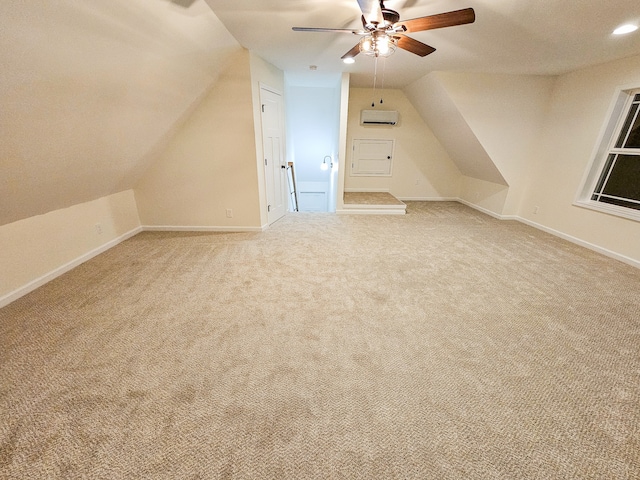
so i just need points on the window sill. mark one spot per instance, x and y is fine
(615, 210)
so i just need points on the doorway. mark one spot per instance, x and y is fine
(313, 128)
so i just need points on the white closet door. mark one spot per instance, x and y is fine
(372, 158)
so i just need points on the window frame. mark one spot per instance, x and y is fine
(615, 120)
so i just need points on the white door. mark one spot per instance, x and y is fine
(275, 168)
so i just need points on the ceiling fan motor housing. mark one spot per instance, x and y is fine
(391, 17)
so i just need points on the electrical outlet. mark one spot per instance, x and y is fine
(417, 181)
(536, 209)
(229, 213)
(98, 229)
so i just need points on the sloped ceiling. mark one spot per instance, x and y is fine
(445, 120)
(89, 89)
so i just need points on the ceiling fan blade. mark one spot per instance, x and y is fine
(371, 11)
(449, 19)
(414, 46)
(334, 30)
(352, 53)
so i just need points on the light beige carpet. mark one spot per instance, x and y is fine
(370, 198)
(442, 344)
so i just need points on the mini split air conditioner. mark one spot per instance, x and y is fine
(378, 117)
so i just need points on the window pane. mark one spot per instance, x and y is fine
(635, 133)
(603, 176)
(624, 180)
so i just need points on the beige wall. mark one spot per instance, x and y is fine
(421, 167)
(209, 165)
(579, 108)
(37, 249)
(506, 114)
(88, 89)
(541, 133)
(265, 74)
(486, 196)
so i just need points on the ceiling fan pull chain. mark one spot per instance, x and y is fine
(375, 77)
(384, 69)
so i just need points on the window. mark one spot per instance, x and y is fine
(613, 184)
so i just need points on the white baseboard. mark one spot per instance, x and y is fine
(557, 233)
(179, 228)
(582, 243)
(38, 282)
(487, 212)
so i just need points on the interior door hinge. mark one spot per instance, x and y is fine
(263, 108)
(265, 162)
(268, 208)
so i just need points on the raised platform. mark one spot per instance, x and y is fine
(372, 203)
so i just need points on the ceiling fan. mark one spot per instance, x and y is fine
(383, 31)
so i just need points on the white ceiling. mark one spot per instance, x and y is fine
(509, 36)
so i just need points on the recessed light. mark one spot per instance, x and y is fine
(349, 60)
(621, 30)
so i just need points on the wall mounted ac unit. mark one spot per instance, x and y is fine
(378, 117)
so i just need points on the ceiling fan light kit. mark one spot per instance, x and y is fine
(378, 44)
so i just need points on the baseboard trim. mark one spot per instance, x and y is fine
(40, 281)
(213, 229)
(486, 211)
(559, 234)
(582, 243)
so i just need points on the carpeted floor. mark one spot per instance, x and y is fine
(370, 198)
(440, 344)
